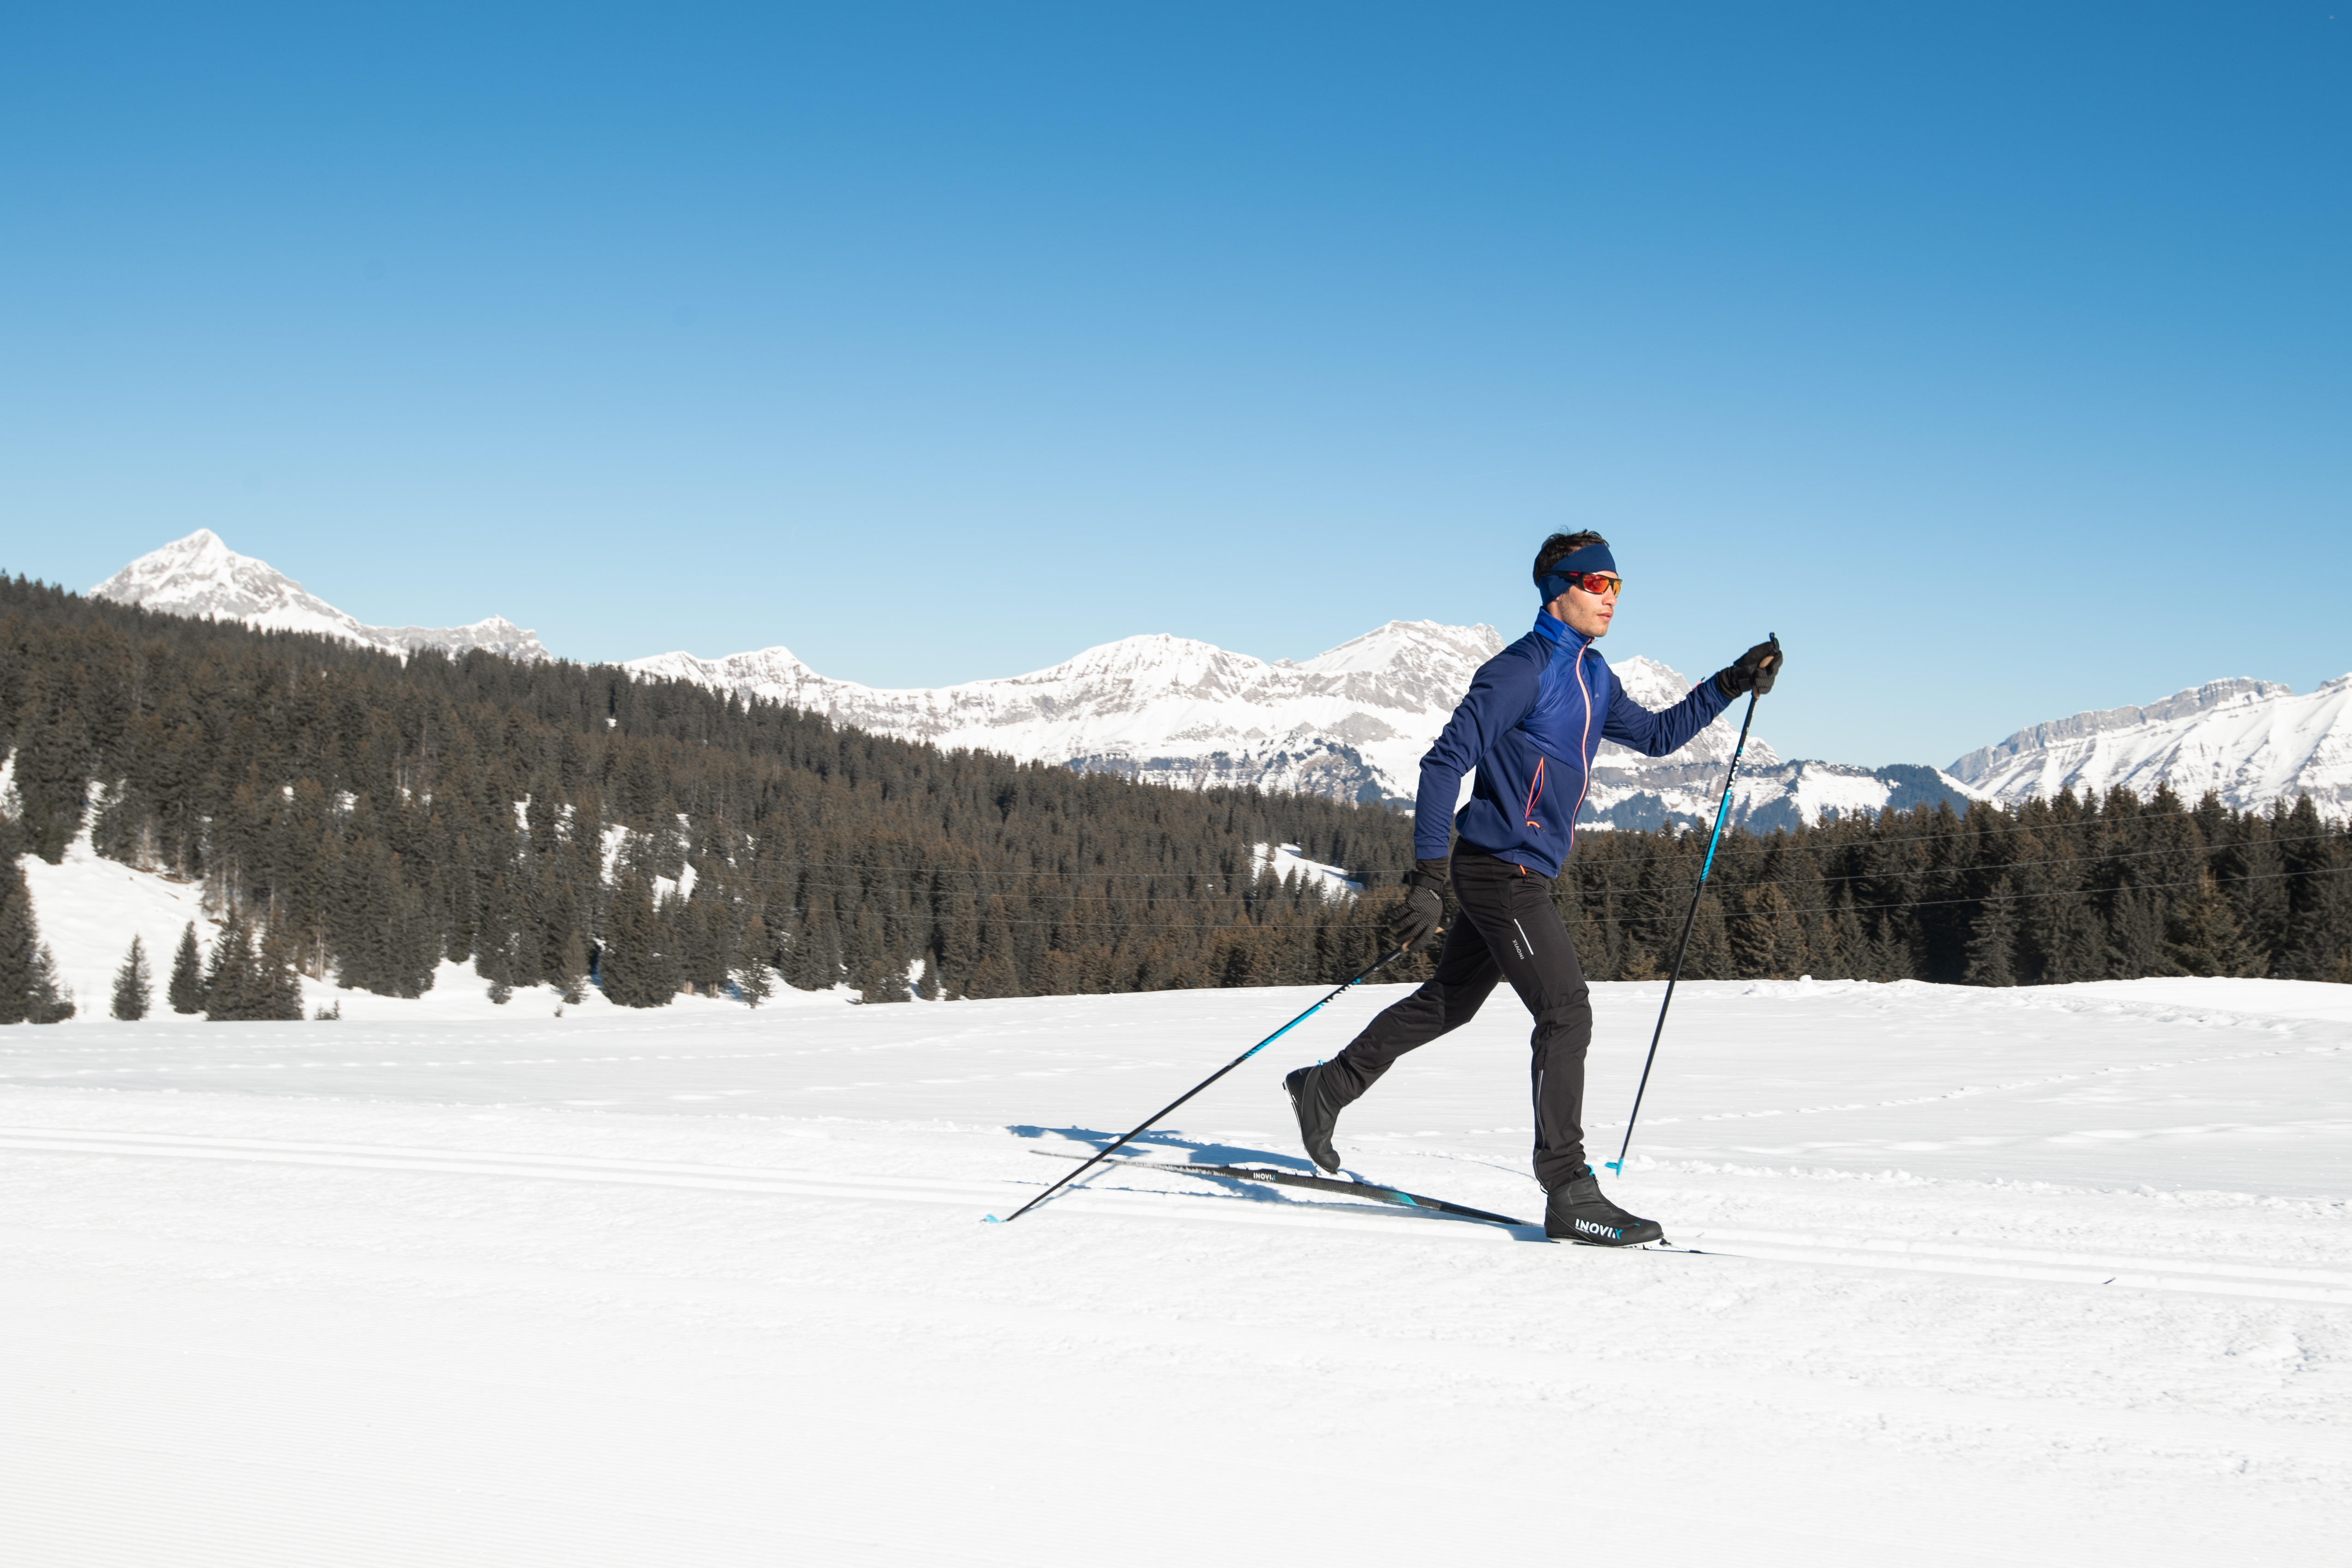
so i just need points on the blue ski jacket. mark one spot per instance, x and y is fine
(1535, 717)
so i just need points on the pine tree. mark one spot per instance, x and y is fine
(705, 927)
(2318, 935)
(1891, 957)
(1843, 938)
(30, 991)
(2256, 891)
(2135, 937)
(571, 970)
(1767, 942)
(495, 941)
(230, 981)
(879, 974)
(994, 975)
(813, 961)
(186, 990)
(20, 943)
(48, 1001)
(53, 758)
(2074, 947)
(556, 912)
(2320, 945)
(2205, 938)
(958, 931)
(414, 941)
(135, 988)
(1709, 954)
(277, 985)
(1992, 940)
(639, 967)
(755, 982)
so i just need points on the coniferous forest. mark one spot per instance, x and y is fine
(355, 817)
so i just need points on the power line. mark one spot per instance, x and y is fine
(1990, 897)
(1634, 920)
(1248, 888)
(1756, 844)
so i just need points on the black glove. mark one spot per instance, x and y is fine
(1756, 670)
(1424, 905)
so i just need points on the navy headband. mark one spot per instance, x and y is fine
(1556, 578)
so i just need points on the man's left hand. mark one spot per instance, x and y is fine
(1756, 670)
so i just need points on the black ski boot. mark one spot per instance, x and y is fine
(1316, 1117)
(1576, 1212)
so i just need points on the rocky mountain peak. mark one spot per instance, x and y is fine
(200, 576)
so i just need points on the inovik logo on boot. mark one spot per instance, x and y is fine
(1594, 1227)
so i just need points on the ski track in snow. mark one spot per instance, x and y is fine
(2058, 1276)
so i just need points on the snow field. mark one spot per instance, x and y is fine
(709, 1286)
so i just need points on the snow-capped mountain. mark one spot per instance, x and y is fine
(1351, 723)
(200, 576)
(2253, 741)
(1631, 790)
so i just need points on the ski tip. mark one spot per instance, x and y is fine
(989, 1220)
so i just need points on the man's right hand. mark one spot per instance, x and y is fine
(1425, 905)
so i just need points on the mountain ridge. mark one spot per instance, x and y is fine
(200, 576)
(2250, 742)
(1349, 724)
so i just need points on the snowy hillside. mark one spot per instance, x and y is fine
(200, 576)
(2064, 1279)
(87, 909)
(2253, 741)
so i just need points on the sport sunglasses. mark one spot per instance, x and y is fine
(1600, 582)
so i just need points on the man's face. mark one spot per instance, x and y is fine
(1587, 614)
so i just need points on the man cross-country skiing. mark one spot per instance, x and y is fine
(1534, 716)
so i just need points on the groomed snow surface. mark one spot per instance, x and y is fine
(2052, 1276)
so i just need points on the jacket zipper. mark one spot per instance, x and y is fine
(1584, 750)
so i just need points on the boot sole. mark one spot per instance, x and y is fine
(1605, 1236)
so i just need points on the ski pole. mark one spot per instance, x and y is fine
(1146, 1124)
(1618, 1165)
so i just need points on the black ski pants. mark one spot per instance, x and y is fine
(1507, 929)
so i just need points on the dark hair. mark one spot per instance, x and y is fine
(1560, 547)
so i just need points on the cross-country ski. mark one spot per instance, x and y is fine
(1370, 1191)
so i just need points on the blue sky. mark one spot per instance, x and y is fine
(1995, 356)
